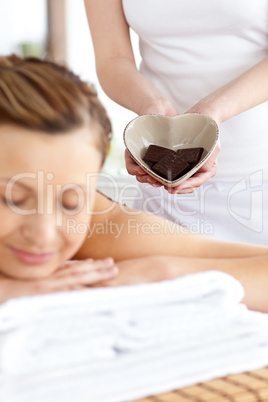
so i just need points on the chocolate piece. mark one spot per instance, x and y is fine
(154, 153)
(170, 164)
(190, 155)
(171, 167)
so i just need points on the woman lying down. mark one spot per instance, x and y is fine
(54, 136)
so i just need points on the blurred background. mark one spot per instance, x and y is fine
(58, 30)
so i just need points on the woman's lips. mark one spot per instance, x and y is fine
(32, 258)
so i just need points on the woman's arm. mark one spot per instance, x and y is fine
(115, 63)
(117, 71)
(252, 273)
(243, 93)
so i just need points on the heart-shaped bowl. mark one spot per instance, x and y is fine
(188, 130)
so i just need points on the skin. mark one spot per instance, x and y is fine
(36, 250)
(123, 83)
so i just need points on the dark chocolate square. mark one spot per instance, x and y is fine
(154, 153)
(171, 167)
(190, 155)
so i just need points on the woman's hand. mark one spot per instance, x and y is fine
(158, 105)
(207, 171)
(73, 275)
(145, 270)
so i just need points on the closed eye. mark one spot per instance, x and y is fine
(11, 203)
(70, 207)
(72, 199)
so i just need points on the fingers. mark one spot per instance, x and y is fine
(197, 180)
(78, 275)
(160, 107)
(132, 167)
(136, 170)
(148, 179)
(76, 267)
(190, 185)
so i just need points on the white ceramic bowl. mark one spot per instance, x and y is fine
(182, 131)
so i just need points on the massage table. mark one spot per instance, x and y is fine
(246, 387)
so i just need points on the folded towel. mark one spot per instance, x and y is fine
(119, 344)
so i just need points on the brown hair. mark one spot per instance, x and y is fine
(42, 95)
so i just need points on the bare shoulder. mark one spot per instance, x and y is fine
(123, 233)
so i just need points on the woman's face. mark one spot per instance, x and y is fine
(47, 186)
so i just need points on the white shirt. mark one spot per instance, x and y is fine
(190, 48)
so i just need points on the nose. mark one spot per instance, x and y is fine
(40, 229)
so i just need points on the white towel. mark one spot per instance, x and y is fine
(120, 344)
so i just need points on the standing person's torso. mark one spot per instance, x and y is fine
(191, 48)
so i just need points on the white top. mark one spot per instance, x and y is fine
(190, 48)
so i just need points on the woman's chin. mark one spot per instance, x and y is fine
(32, 273)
